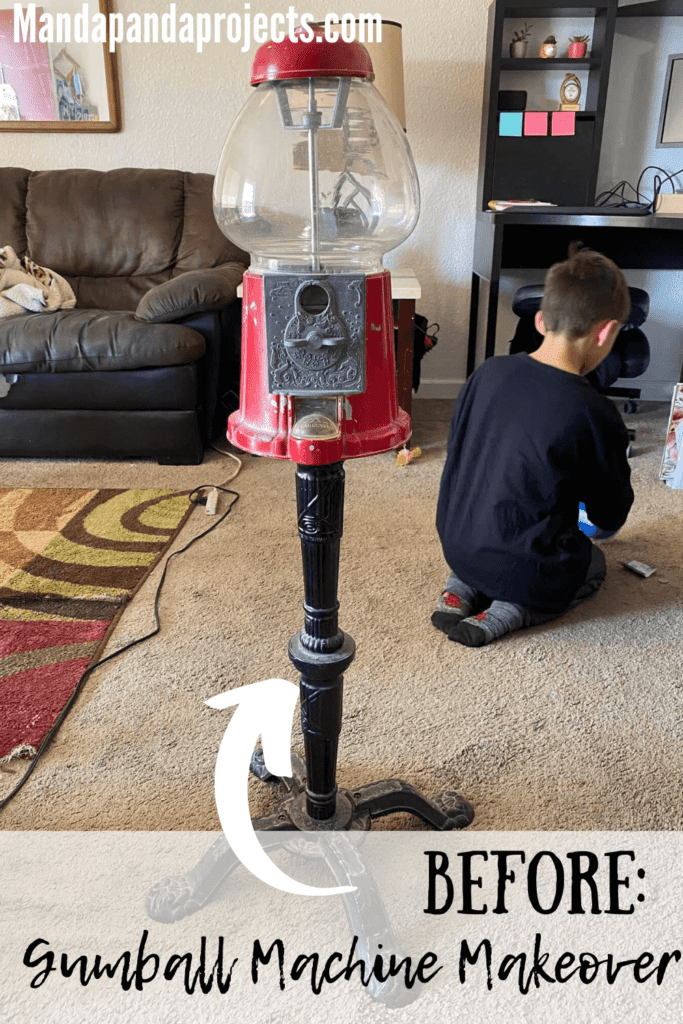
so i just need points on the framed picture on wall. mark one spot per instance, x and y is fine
(670, 131)
(54, 77)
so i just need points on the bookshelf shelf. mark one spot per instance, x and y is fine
(533, 10)
(547, 64)
(556, 169)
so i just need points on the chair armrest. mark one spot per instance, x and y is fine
(196, 291)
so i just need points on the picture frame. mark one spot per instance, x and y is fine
(670, 129)
(76, 81)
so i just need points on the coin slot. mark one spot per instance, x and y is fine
(313, 299)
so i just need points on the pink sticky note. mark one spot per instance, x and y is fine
(536, 122)
(563, 122)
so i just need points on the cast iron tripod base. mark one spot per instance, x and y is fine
(310, 801)
(181, 895)
(356, 809)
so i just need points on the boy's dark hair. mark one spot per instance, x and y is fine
(583, 291)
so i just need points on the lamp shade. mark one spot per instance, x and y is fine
(387, 63)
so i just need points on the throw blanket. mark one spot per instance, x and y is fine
(27, 288)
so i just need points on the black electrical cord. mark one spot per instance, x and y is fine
(47, 739)
(618, 191)
(668, 176)
(658, 184)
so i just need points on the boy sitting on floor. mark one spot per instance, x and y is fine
(529, 439)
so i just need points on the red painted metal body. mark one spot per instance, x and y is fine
(318, 58)
(370, 422)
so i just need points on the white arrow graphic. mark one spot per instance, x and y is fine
(264, 709)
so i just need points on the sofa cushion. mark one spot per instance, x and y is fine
(74, 340)
(120, 223)
(13, 188)
(202, 243)
(113, 234)
(197, 291)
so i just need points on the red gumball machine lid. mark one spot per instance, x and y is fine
(318, 58)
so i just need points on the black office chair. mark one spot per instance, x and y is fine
(630, 355)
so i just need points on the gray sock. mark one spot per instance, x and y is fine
(499, 619)
(456, 602)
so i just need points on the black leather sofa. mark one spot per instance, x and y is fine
(138, 368)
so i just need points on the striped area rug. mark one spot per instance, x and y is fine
(70, 560)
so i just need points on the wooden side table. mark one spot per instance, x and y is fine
(405, 290)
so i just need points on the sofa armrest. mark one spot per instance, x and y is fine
(196, 291)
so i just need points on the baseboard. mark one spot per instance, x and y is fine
(439, 388)
(651, 390)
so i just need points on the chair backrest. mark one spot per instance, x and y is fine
(527, 300)
(113, 234)
(630, 356)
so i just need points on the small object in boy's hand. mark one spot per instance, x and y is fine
(639, 568)
(585, 524)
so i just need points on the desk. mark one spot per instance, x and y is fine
(534, 241)
(405, 289)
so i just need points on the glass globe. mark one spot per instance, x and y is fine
(316, 174)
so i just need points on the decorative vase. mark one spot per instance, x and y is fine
(518, 49)
(577, 50)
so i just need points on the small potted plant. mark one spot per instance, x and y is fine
(548, 47)
(578, 46)
(520, 41)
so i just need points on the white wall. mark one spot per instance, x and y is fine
(638, 68)
(178, 105)
(639, 64)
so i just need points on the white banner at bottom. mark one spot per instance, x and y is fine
(481, 926)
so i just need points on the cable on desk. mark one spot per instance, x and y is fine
(618, 191)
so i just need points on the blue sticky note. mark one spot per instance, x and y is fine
(511, 122)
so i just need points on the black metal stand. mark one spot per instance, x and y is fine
(310, 800)
(322, 653)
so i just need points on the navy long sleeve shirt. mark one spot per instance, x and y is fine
(527, 443)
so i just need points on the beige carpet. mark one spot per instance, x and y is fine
(575, 725)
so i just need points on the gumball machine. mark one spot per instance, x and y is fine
(316, 181)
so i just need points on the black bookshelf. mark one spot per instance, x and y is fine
(553, 169)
